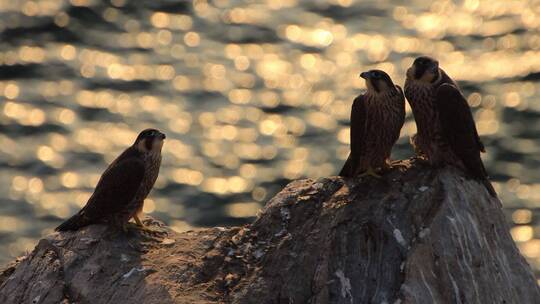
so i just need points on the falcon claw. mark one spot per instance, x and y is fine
(143, 228)
(370, 172)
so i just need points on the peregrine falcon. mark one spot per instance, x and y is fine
(376, 120)
(446, 130)
(121, 190)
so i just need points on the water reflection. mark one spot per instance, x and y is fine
(250, 93)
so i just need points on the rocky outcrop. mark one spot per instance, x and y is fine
(417, 235)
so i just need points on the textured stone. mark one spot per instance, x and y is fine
(417, 235)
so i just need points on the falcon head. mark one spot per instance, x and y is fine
(378, 81)
(424, 69)
(150, 140)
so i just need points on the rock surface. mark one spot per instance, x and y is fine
(417, 235)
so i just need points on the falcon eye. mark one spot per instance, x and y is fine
(423, 61)
(149, 134)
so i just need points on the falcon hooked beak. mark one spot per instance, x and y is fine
(377, 81)
(150, 140)
(424, 69)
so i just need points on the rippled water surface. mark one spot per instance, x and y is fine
(251, 94)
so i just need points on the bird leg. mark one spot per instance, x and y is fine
(370, 172)
(138, 221)
(137, 226)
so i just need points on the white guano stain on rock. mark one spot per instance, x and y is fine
(285, 213)
(426, 284)
(345, 285)
(399, 238)
(424, 232)
(88, 241)
(318, 186)
(258, 253)
(132, 271)
(124, 258)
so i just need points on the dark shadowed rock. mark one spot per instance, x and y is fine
(415, 236)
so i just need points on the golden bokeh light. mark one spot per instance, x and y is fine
(242, 209)
(522, 216)
(192, 39)
(522, 233)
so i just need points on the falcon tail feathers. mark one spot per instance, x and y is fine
(73, 223)
(489, 187)
(346, 170)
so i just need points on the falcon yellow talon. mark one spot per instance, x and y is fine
(141, 227)
(370, 172)
(138, 221)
